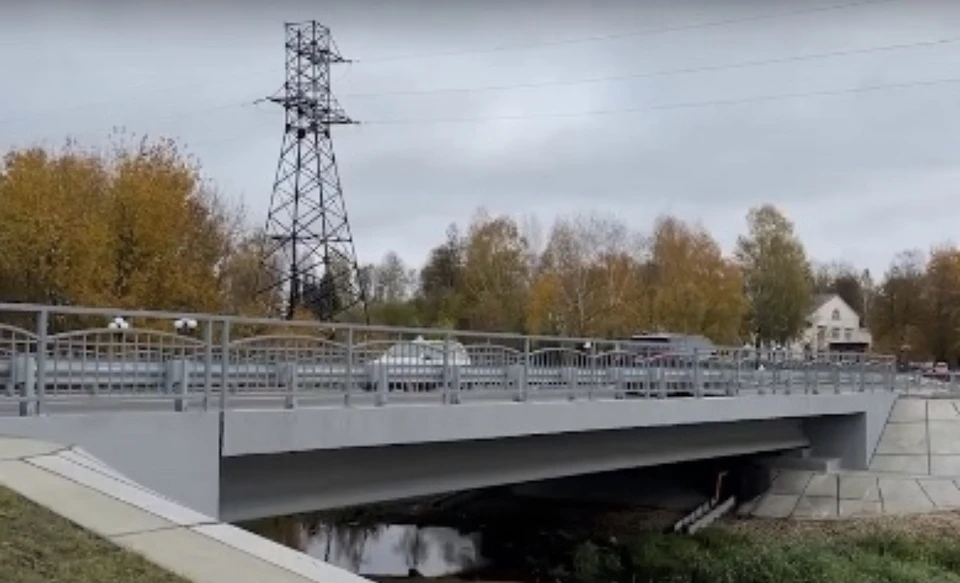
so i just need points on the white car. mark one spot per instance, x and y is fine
(415, 359)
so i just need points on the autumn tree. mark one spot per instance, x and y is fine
(696, 290)
(135, 226)
(587, 282)
(899, 308)
(54, 228)
(942, 303)
(245, 278)
(777, 276)
(495, 277)
(441, 282)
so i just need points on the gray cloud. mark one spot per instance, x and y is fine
(862, 175)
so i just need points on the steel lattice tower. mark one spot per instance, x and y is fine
(310, 251)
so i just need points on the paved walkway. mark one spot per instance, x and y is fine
(915, 469)
(80, 488)
(812, 496)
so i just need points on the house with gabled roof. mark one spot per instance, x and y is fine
(834, 326)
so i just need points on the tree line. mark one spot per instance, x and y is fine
(135, 225)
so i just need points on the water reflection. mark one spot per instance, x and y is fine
(379, 550)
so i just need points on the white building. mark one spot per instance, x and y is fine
(833, 325)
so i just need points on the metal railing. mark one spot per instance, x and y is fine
(71, 358)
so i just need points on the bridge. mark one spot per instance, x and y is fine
(242, 418)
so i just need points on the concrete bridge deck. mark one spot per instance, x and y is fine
(344, 414)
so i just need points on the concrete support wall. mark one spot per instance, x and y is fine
(850, 438)
(174, 454)
(248, 432)
(266, 485)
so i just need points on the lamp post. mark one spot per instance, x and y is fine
(185, 326)
(118, 324)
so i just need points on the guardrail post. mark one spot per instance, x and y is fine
(445, 370)
(862, 374)
(836, 375)
(207, 364)
(348, 373)
(615, 376)
(515, 374)
(43, 331)
(523, 390)
(176, 380)
(224, 363)
(23, 376)
(381, 382)
(698, 381)
(455, 385)
(787, 368)
(567, 376)
(288, 375)
(661, 373)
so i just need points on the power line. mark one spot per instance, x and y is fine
(667, 72)
(676, 106)
(628, 34)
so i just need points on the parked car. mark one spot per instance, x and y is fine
(939, 371)
(417, 358)
(672, 345)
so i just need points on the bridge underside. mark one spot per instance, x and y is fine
(256, 486)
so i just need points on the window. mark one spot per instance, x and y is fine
(835, 315)
(835, 333)
(848, 334)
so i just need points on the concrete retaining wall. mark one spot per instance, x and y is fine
(176, 454)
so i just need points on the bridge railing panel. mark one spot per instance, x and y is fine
(81, 357)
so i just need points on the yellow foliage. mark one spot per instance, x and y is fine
(137, 229)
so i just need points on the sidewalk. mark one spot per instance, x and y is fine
(80, 488)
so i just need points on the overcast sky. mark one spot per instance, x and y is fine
(862, 174)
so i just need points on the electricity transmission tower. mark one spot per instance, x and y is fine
(310, 252)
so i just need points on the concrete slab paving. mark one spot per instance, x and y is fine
(822, 485)
(903, 496)
(908, 410)
(901, 464)
(859, 488)
(943, 493)
(202, 559)
(94, 511)
(945, 465)
(747, 508)
(944, 437)
(859, 508)
(938, 410)
(904, 438)
(816, 508)
(792, 482)
(15, 448)
(776, 506)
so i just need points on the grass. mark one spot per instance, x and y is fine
(858, 551)
(38, 546)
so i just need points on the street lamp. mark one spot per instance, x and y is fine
(185, 326)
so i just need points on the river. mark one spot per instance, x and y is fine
(522, 533)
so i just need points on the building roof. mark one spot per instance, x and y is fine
(819, 300)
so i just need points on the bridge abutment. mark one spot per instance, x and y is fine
(176, 454)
